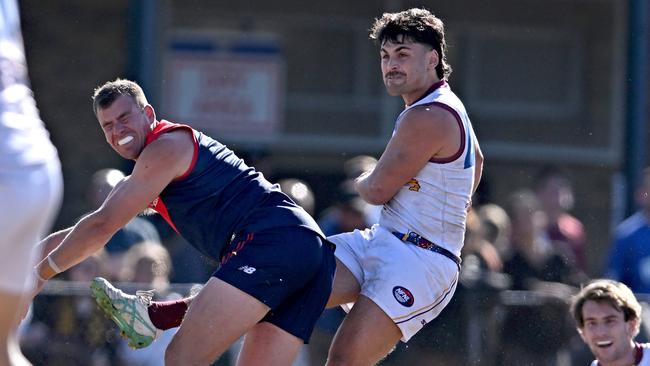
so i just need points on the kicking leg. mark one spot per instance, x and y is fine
(365, 337)
(217, 317)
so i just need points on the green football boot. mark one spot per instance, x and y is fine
(129, 312)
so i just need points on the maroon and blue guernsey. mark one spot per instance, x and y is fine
(220, 196)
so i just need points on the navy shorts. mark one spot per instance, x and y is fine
(290, 269)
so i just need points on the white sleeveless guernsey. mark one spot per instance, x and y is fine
(434, 203)
(23, 138)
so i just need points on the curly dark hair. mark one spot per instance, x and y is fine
(418, 25)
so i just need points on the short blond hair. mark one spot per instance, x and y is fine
(104, 96)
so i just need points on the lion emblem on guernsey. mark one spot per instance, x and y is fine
(414, 185)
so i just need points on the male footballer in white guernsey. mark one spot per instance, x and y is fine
(403, 271)
(30, 182)
(608, 317)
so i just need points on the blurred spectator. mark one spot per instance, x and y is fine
(300, 192)
(69, 330)
(96, 265)
(555, 194)
(482, 280)
(137, 230)
(535, 328)
(495, 226)
(350, 211)
(149, 264)
(533, 257)
(358, 165)
(480, 236)
(347, 214)
(629, 257)
(353, 168)
(188, 264)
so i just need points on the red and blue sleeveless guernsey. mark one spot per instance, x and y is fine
(220, 196)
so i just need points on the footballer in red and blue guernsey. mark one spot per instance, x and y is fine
(276, 268)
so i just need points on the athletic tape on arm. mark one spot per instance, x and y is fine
(53, 265)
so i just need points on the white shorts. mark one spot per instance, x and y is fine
(410, 284)
(30, 198)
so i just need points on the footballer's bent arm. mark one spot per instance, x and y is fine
(422, 133)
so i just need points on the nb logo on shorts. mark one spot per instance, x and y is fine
(247, 269)
(403, 296)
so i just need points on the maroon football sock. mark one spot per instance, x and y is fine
(167, 314)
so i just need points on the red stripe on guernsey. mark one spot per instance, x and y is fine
(462, 134)
(161, 127)
(159, 206)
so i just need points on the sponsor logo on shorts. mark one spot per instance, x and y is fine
(403, 296)
(247, 269)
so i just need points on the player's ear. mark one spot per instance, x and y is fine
(150, 113)
(634, 326)
(434, 59)
(581, 334)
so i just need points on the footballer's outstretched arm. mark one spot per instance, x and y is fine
(160, 162)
